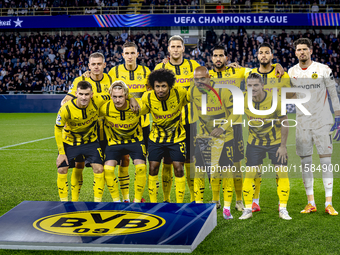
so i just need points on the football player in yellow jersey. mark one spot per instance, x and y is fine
(100, 86)
(235, 76)
(184, 71)
(222, 71)
(167, 135)
(124, 135)
(265, 57)
(267, 134)
(208, 129)
(135, 77)
(76, 135)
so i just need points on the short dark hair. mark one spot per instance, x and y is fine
(306, 41)
(84, 85)
(162, 75)
(255, 76)
(129, 44)
(220, 47)
(265, 45)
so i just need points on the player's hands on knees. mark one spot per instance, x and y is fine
(86, 74)
(282, 155)
(336, 127)
(279, 71)
(234, 65)
(217, 132)
(60, 159)
(134, 106)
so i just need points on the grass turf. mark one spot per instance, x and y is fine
(28, 172)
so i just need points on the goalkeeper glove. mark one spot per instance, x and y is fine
(337, 127)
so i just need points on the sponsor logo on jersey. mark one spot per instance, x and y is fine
(85, 122)
(183, 80)
(121, 125)
(167, 116)
(210, 109)
(99, 223)
(309, 86)
(136, 86)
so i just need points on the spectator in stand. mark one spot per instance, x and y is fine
(219, 7)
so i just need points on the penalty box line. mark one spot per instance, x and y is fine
(33, 141)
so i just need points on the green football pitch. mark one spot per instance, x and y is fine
(28, 172)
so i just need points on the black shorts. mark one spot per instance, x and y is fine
(190, 131)
(238, 143)
(146, 133)
(135, 150)
(176, 151)
(256, 153)
(90, 151)
(226, 158)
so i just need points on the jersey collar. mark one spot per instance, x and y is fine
(74, 103)
(258, 70)
(130, 70)
(99, 80)
(265, 96)
(179, 64)
(166, 98)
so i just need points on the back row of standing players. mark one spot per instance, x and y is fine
(171, 147)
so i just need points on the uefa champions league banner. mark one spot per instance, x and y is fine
(167, 20)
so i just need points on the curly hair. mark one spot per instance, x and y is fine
(162, 75)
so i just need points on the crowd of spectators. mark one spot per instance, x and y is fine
(49, 63)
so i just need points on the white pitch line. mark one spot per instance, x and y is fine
(13, 145)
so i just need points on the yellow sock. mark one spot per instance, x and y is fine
(215, 188)
(62, 187)
(248, 190)
(188, 168)
(228, 188)
(140, 181)
(199, 184)
(124, 181)
(283, 187)
(238, 181)
(153, 188)
(98, 186)
(111, 182)
(167, 181)
(180, 189)
(76, 183)
(258, 180)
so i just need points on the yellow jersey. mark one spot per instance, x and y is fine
(263, 130)
(215, 110)
(230, 76)
(136, 80)
(122, 126)
(271, 81)
(167, 126)
(78, 125)
(184, 76)
(100, 95)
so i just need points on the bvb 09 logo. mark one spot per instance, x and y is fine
(99, 223)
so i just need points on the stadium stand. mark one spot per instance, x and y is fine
(48, 63)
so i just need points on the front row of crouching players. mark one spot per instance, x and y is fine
(76, 134)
